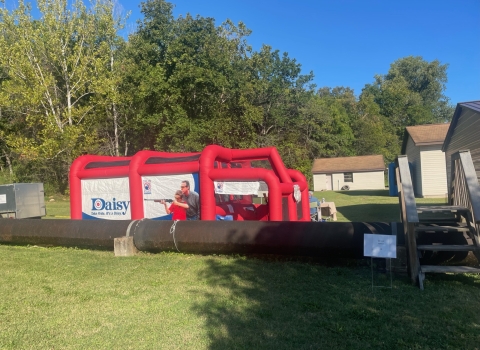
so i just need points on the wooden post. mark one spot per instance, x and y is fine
(408, 210)
(413, 265)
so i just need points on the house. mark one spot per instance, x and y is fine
(464, 134)
(422, 144)
(354, 173)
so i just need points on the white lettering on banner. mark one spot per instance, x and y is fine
(162, 187)
(107, 199)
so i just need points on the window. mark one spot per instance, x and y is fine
(347, 177)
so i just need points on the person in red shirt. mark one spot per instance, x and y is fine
(179, 213)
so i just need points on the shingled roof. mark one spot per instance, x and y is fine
(424, 135)
(348, 164)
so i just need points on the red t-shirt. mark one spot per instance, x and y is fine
(179, 213)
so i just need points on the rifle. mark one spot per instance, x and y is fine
(161, 199)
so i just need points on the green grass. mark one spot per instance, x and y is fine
(58, 208)
(57, 298)
(78, 299)
(369, 206)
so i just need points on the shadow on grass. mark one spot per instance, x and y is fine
(268, 305)
(371, 212)
(376, 193)
(290, 305)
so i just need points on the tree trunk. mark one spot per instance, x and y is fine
(115, 126)
(9, 163)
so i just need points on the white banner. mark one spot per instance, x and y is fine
(161, 187)
(229, 187)
(380, 246)
(107, 199)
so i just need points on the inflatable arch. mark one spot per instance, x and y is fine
(162, 172)
(99, 188)
(116, 188)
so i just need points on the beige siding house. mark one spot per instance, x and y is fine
(356, 173)
(464, 134)
(422, 144)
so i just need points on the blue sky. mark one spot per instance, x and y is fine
(347, 42)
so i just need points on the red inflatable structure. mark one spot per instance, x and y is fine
(279, 181)
(117, 188)
(167, 165)
(87, 170)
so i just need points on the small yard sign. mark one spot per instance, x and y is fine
(380, 246)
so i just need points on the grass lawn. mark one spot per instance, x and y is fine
(57, 207)
(58, 298)
(369, 206)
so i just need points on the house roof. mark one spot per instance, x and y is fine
(425, 135)
(348, 164)
(473, 105)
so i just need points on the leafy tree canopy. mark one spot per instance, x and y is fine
(69, 85)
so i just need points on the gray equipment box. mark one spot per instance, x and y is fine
(20, 201)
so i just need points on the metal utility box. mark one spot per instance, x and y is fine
(21, 201)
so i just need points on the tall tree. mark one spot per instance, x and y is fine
(54, 66)
(412, 93)
(373, 132)
(190, 82)
(277, 89)
(333, 110)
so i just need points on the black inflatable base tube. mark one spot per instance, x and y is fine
(316, 239)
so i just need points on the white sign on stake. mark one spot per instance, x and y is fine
(380, 246)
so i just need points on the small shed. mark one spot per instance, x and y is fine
(464, 134)
(354, 173)
(422, 144)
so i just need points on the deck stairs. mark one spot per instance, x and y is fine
(445, 232)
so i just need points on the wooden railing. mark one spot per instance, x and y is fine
(464, 187)
(409, 215)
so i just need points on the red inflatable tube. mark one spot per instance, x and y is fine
(280, 180)
(244, 212)
(187, 163)
(112, 167)
(214, 152)
(279, 183)
(269, 153)
(207, 199)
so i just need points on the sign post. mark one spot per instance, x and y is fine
(380, 246)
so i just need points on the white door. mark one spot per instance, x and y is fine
(328, 182)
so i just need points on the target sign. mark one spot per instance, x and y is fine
(98, 204)
(147, 187)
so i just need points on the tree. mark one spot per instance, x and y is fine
(54, 67)
(373, 132)
(412, 93)
(204, 67)
(327, 122)
(190, 82)
(428, 79)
